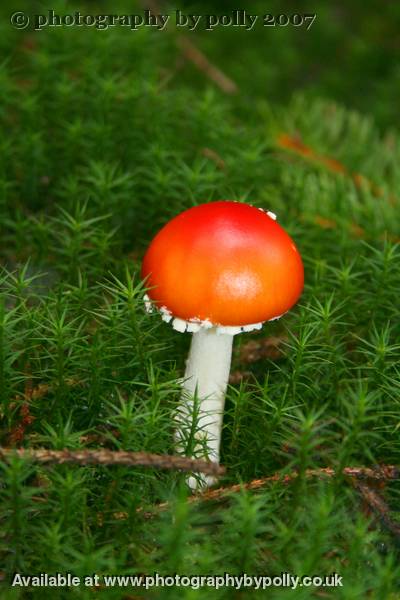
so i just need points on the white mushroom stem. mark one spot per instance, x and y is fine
(206, 378)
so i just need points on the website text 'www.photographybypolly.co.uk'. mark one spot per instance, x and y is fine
(237, 582)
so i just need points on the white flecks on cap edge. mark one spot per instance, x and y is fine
(278, 317)
(195, 324)
(166, 314)
(269, 213)
(147, 303)
(179, 324)
(192, 327)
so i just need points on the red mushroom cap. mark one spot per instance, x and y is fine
(225, 262)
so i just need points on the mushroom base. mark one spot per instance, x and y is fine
(203, 396)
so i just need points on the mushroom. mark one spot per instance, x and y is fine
(216, 270)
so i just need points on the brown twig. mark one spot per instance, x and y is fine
(377, 504)
(113, 457)
(380, 473)
(215, 157)
(31, 393)
(294, 144)
(17, 433)
(353, 228)
(192, 53)
(383, 472)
